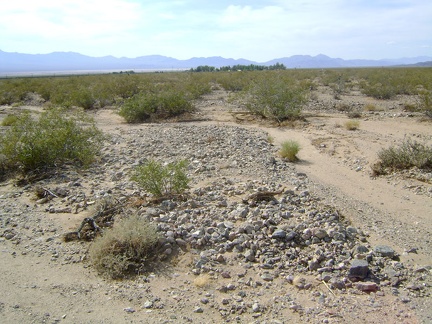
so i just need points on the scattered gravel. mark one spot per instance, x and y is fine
(294, 239)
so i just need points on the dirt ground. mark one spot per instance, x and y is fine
(395, 210)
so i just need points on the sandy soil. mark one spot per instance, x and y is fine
(394, 210)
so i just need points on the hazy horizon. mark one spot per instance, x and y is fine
(254, 30)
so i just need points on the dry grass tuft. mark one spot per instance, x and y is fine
(202, 281)
(352, 125)
(126, 249)
(289, 150)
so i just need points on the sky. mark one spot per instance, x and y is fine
(254, 30)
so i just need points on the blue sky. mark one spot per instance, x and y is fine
(255, 30)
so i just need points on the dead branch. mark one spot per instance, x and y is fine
(102, 218)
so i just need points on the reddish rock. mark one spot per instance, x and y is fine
(367, 286)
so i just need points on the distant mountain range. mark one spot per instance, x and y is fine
(69, 61)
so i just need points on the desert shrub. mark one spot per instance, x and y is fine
(289, 150)
(50, 140)
(379, 90)
(277, 99)
(426, 103)
(13, 91)
(352, 125)
(153, 106)
(354, 114)
(126, 249)
(82, 97)
(410, 107)
(270, 139)
(9, 120)
(162, 180)
(370, 107)
(343, 107)
(234, 81)
(338, 87)
(405, 156)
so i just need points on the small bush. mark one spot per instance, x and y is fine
(352, 125)
(405, 156)
(9, 120)
(354, 114)
(148, 106)
(426, 103)
(270, 139)
(289, 150)
(411, 107)
(276, 99)
(162, 180)
(379, 90)
(126, 249)
(370, 107)
(50, 140)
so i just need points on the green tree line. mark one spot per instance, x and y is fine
(239, 67)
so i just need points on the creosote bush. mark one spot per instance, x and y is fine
(152, 106)
(276, 98)
(162, 180)
(289, 150)
(52, 139)
(126, 249)
(408, 154)
(426, 103)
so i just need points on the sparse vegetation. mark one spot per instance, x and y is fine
(162, 180)
(408, 154)
(130, 247)
(52, 139)
(352, 125)
(289, 150)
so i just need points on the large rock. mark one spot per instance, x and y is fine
(359, 269)
(385, 251)
(279, 234)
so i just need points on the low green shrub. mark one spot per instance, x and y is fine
(379, 90)
(408, 154)
(162, 180)
(126, 249)
(153, 106)
(52, 139)
(277, 99)
(9, 120)
(426, 103)
(289, 150)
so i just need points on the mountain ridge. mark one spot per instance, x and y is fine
(13, 62)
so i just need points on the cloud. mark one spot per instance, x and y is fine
(253, 29)
(68, 20)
